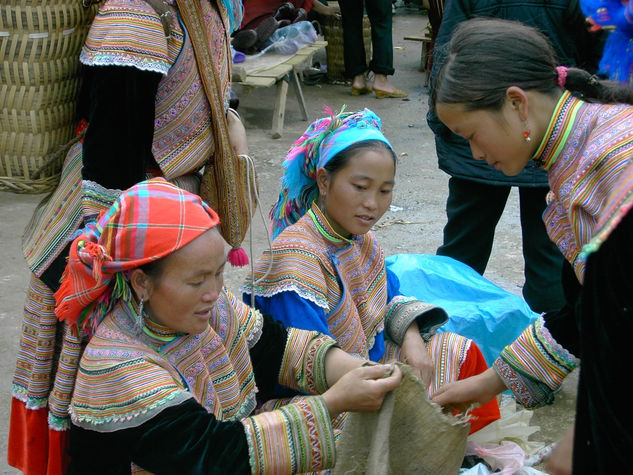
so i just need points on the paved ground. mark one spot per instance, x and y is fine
(415, 225)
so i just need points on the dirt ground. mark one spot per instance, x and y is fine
(414, 223)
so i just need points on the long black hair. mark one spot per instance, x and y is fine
(486, 56)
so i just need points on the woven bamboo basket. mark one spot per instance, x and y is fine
(40, 43)
(333, 34)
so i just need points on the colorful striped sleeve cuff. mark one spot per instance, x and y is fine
(296, 438)
(303, 363)
(534, 366)
(402, 311)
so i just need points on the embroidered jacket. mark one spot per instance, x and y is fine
(345, 283)
(128, 34)
(588, 154)
(127, 377)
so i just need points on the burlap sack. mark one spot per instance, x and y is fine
(409, 435)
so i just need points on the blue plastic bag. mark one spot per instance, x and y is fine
(478, 309)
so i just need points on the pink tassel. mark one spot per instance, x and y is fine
(237, 257)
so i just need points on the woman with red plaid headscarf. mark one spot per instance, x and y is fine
(167, 382)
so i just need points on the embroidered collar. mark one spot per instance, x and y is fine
(558, 130)
(325, 228)
(159, 335)
(154, 334)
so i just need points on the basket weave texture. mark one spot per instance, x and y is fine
(333, 34)
(40, 43)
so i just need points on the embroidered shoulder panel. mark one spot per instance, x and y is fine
(588, 158)
(299, 262)
(122, 384)
(130, 33)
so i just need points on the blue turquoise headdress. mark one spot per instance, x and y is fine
(322, 141)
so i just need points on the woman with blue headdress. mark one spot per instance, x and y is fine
(326, 271)
(155, 98)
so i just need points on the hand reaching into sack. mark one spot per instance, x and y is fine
(476, 390)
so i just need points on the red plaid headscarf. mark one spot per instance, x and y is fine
(149, 221)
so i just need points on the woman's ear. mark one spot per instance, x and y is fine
(518, 100)
(323, 180)
(141, 284)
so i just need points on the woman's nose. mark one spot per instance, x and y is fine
(371, 202)
(478, 154)
(212, 292)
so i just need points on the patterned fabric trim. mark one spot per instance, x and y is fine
(250, 319)
(345, 277)
(587, 151)
(535, 365)
(448, 351)
(620, 203)
(95, 404)
(130, 33)
(303, 363)
(402, 311)
(529, 392)
(317, 298)
(296, 438)
(56, 217)
(63, 386)
(96, 198)
(34, 363)
(558, 131)
(127, 376)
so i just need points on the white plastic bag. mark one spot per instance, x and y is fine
(291, 38)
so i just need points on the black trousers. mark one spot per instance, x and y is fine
(474, 209)
(354, 56)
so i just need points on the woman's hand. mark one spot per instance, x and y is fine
(362, 389)
(237, 133)
(326, 10)
(478, 389)
(560, 460)
(415, 354)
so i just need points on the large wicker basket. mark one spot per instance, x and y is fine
(333, 34)
(40, 43)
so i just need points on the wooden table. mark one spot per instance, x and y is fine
(280, 75)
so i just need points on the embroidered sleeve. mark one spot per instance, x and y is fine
(251, 320)
(127, 33)
(534, 365)
(402, 311)
(296, 438)
(303, 363)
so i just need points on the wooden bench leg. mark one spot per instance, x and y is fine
(280, 108)
(296, 85)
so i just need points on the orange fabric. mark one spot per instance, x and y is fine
(33, 447)
(482, 416)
